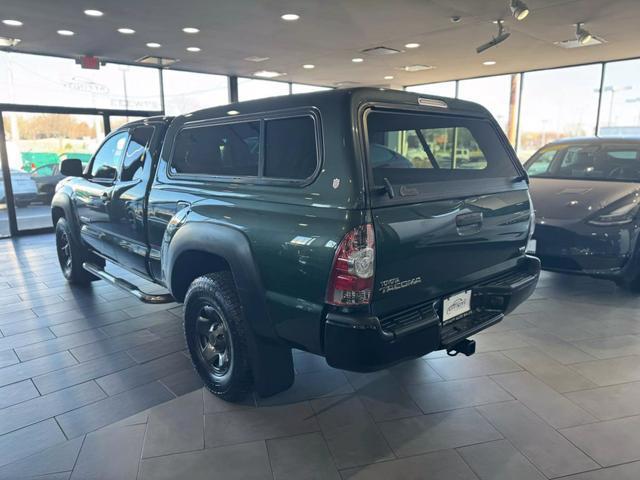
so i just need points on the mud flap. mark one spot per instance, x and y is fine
(271, 365)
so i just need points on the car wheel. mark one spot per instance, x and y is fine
(71, 256)
(217, 337)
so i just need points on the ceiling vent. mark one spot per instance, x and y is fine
(257, 59)
(575, 43)
(417, 68)
(159, 61)
(6, 42)
(380, 51)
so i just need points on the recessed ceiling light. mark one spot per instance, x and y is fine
(388, 77)
(308, 66)
(268, 74)
(290, 17)
(233, 112)
(66, 33)
(127, 31)
(412, 45)
(190, 30)
(12, 23)
(488, 63)
(93, 13)
(357, 60)
(193, 49)
(9, 42)
(153, 45)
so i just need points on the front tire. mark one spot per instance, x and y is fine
(217, 337)
(71, 256)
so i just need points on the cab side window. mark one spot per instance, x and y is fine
(107, 160)
(290, 148)
(137, 152)
(226, 150)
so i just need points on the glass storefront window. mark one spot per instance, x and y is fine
(557, 103)
(116, 121)
(52, 81)
(252, 89)
(443, 89)
(302, 88)
(497, 94)
(620, 105)
(36, 142)
(186, 92)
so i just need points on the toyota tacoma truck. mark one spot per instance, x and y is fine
(344, 223)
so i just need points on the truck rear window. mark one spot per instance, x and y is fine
(410, 148)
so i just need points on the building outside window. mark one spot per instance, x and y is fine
(302, 88)
(620, 105)
(497, 94)
(443, 89)
(186, 92)
(252, 89)
(556, 104)
(59, 82)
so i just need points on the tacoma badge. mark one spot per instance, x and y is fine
(392, 284)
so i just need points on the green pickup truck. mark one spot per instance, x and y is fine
(300, 222)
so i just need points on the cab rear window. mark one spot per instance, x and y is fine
(276, 149)
(410, 148)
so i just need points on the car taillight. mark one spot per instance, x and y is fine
(351, 279)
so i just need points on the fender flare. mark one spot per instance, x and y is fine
(271, 359)
(233, 246)
(62, 200)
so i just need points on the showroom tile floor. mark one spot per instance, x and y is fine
(94, 384)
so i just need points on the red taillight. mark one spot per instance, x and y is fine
(351, 279)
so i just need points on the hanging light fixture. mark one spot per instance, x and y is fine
(498, 39)
(519, 9)
(583, 36)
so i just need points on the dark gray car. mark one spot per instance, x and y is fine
(586, 194)
(46, 178)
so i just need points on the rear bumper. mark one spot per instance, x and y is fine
(587, 250)
(367, 343)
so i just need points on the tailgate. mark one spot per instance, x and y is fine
(449, 203)
(437, 248)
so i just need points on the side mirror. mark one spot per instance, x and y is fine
(71, 167)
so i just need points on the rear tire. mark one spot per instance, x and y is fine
(71, 256)
(217, 336)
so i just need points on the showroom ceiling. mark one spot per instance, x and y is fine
(328, 35)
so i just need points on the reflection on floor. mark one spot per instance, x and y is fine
(94, 384)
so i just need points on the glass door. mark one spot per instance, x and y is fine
(36, 143)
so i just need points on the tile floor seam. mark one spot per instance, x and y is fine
(595, 423)
(144, 441)
(550, 426)
(75, 462)
(464, 460)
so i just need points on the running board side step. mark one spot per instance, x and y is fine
(127, 286)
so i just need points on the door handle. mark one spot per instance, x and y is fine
(106, 199)
(469, 219)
